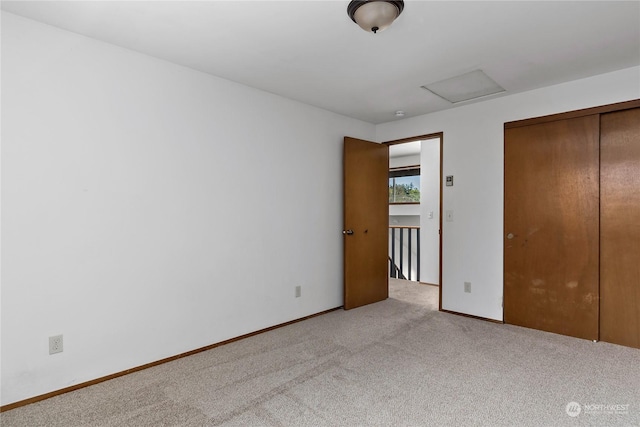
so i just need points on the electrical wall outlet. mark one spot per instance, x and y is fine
(55, 344)
(298, 291)
(467, 287)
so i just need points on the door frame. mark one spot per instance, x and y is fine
(434, 135)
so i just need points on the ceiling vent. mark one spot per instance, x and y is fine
(465, 87)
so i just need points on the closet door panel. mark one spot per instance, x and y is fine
(620, 228)
(551, 233)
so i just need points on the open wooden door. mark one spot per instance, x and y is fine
(366, 222)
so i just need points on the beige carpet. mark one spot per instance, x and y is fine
(395, 363)
(414, 293)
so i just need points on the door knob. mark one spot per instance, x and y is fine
(510, 236)
(347, 232)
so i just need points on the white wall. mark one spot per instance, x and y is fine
(406, 220)
(400, 210)
(473, 153)
(398, 162)
(149, 209)
(430, 204)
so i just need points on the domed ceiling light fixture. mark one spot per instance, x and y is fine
(374, 15)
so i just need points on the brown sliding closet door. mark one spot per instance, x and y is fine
(620, 228)
(551, 229)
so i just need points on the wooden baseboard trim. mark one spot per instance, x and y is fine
(486, 319)
(45, 396)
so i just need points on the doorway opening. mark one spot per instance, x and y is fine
(415, 199)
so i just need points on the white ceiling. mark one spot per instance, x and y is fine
(312, 52)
